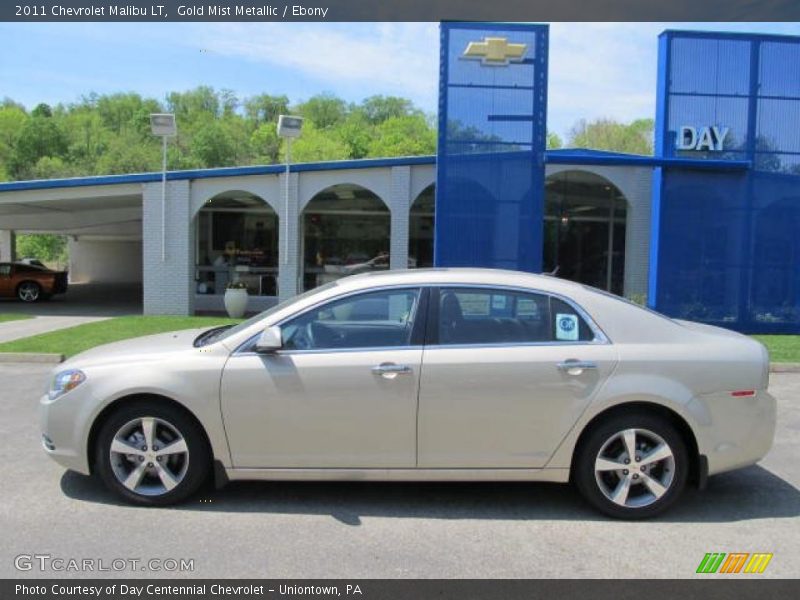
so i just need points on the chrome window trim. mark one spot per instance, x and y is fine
(600, 337)
(331, 350)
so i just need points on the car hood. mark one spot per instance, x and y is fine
(146, 348)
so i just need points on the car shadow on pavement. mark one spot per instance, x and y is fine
(751, 493)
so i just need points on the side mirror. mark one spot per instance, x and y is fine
(270, 340)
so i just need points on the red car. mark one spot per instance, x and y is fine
(30, 283)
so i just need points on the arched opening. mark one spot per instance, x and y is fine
(237, 240)
(584, 230)
(346, 230)
(421, 223)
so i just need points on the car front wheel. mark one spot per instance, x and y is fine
(632, 466)
(152, 455)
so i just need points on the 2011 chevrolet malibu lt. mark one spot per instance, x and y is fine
(441, 374)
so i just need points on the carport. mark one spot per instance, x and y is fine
(103, 225)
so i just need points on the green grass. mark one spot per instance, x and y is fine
(782, 348)
(5, 317)
(76, 339)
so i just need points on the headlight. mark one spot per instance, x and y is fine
(64, 382)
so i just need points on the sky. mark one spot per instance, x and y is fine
(596, 69)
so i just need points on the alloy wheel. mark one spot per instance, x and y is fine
(634, 468)
(149, 456)
(28, 292)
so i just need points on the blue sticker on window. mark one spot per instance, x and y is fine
(566, 327)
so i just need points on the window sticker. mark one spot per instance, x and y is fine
(566, 327)
(498, 302)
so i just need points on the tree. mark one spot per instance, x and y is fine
(316, 144)
(126, 153)
(265, 108)
(379, 108)
(265, 145)
(110, 133)
(607, 134)
(407, 135)
(87, 138)
(323, 110)
(357, 134)
(12, 118)
(213, 146)
(42, 110)
(554, 141)
(121, 112)
(39, 136)
(194, 104)
(46, 247)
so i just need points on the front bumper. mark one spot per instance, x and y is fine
(734, 432)
(63, 423)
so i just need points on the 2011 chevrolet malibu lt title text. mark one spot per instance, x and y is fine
(440, 374)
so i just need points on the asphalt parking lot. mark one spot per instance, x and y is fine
(361, 530)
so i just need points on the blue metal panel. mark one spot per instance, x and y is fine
(490, 161)
(725, 247)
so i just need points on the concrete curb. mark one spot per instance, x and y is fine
(784, 367)
(30, 357)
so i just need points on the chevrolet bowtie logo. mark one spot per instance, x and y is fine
(495, 51)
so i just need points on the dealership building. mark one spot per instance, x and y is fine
(706, 229)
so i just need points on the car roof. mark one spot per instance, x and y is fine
(461, 276)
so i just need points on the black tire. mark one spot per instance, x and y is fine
(29, 291)
(601, 438)
(198, 460)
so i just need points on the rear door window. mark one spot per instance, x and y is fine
(496, 316)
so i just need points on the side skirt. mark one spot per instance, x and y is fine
(551, 475)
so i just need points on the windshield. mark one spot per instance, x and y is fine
(226, 333)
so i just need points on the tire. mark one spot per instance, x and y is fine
(648, 485)
(169, 470)
(29, 291)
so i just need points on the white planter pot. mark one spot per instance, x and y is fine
(236, 302)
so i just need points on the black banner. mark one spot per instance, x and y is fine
(743, 587)
(399, 10)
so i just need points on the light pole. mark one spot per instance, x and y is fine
(163, 125)
(288, 128)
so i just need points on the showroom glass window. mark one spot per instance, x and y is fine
(346, 230)
(493, 316)
(372, 320)
(237, 240)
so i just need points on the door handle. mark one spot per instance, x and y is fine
(576, 367)
(390, 370)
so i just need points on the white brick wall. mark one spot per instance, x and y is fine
(399, 202)
(168, 284)
(6, 245)
(289, 236)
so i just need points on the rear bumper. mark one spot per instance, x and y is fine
(734, 432)
(60, 284)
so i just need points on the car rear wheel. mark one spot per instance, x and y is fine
(632, 466)
(152, 455)
(29, 291)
